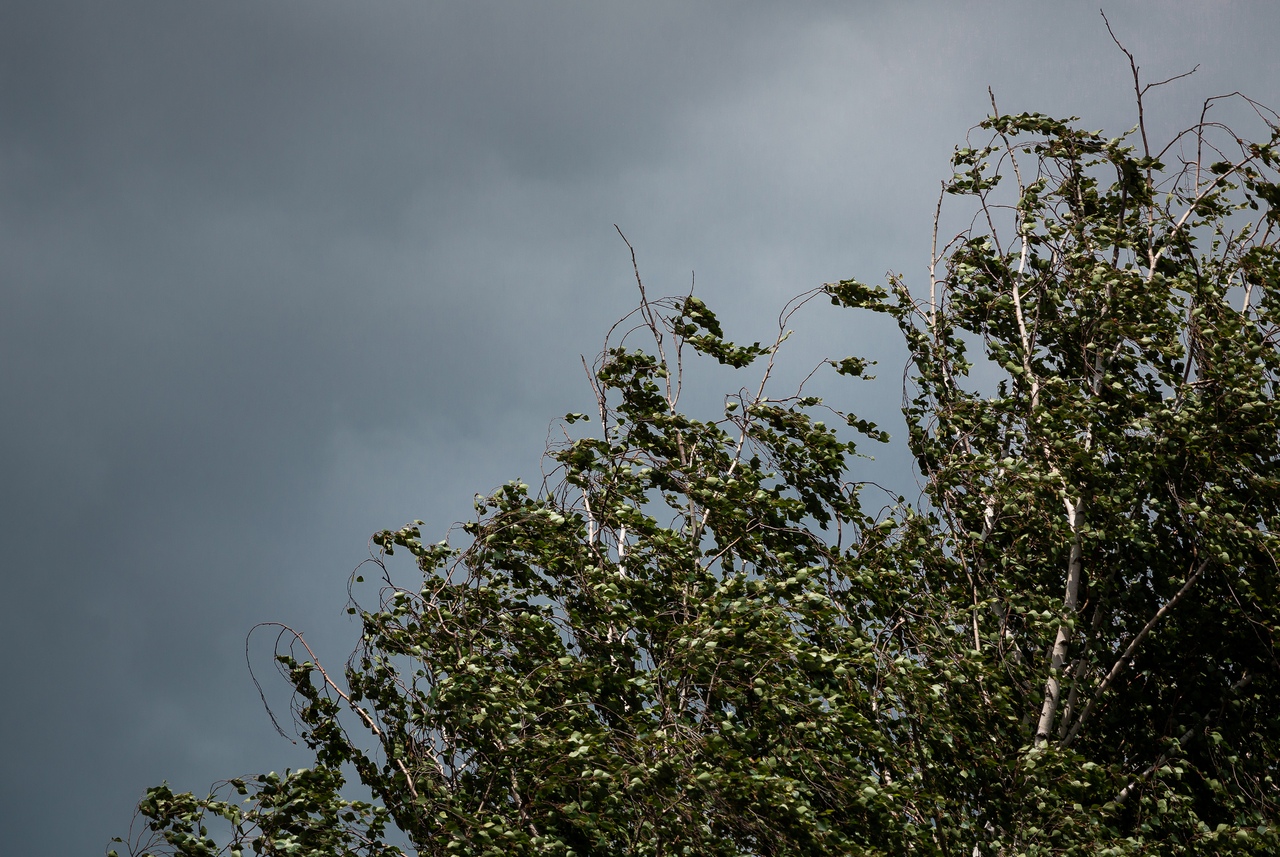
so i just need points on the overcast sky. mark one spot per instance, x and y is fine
(277, 274)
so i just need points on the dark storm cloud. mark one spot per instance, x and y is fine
(279, 274)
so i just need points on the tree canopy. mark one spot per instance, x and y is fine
(704, 636)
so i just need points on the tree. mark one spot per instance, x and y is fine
(693, 638)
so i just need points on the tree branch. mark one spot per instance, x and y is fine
(1127, 655)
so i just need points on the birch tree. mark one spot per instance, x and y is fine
(692, 638)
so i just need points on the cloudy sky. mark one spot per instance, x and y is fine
(277, 274)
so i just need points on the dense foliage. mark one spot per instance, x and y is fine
(693, 639)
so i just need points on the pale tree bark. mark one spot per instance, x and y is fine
(1058, 659)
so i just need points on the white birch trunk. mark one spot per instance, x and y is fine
(1058, 659)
